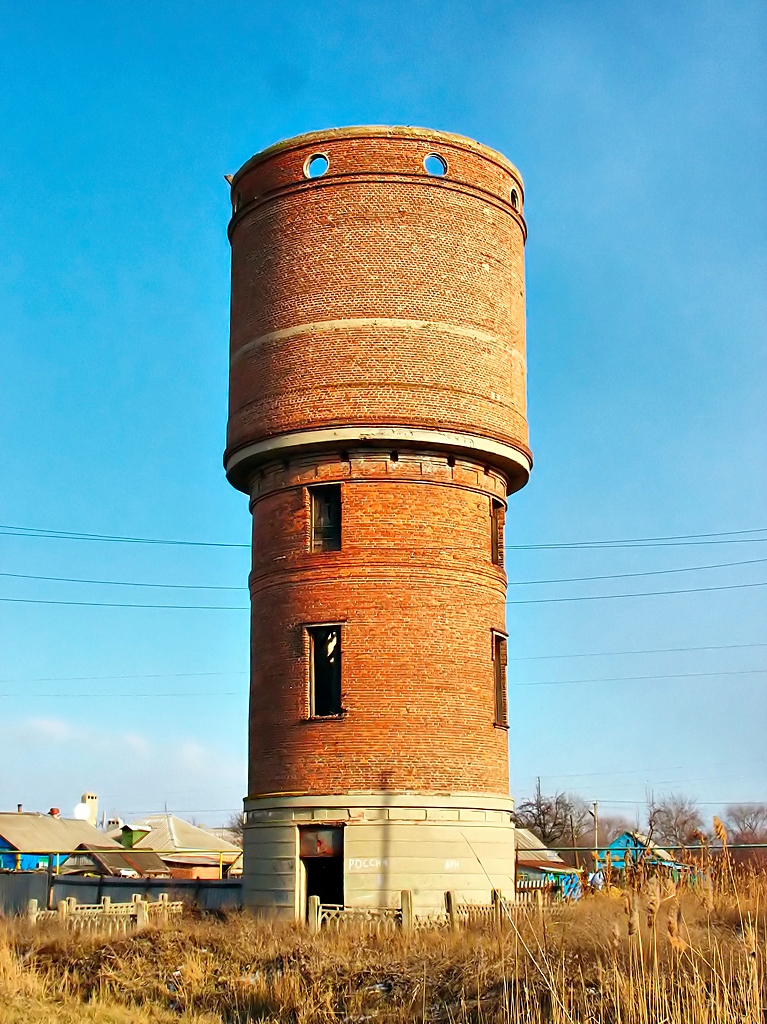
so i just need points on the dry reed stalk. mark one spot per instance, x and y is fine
(653, 901)
(242, 969)
(676, 942)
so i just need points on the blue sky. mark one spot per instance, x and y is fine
(640, 132)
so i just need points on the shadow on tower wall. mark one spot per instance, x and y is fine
(384, 876)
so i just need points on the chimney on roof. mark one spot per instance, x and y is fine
(54, 812)
(18, 808)
(91, 801)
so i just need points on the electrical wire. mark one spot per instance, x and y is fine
(646, 593)
(127, 583)
(616, 654)
(235, 693)
(512, 583)
(626, 679)
(146, 675)
(31, 531)
(628, 575)
(118, 604)
(244, 608)
(101, 696)
(691, 538)
(244, 672)
(704, 538)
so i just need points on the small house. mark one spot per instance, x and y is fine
(29, 840)
(633, 848)
(187, 851)
(117, 863)
(537, 865)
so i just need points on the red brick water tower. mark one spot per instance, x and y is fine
(377, 423)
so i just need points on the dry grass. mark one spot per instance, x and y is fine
(682, 964)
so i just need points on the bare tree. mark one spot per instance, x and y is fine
(235, 825)
(673, 820)
(551, 818)
(612, 826)
(747, 823)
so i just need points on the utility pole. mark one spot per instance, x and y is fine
(594, 812)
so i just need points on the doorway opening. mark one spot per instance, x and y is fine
(322, 858)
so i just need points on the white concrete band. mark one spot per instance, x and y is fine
(355, 323)
(515, 463)
(425, 843)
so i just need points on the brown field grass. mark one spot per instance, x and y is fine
(658, 957)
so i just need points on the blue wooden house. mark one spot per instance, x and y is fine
(633, 848)
(29, 841)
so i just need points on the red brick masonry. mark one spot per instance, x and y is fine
(377, 293)
(377, 296)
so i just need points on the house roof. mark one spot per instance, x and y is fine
(166, 832)
(638, 841)
(30, 832)
(114, 862)
(531, 850)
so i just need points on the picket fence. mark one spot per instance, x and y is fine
(106, 916)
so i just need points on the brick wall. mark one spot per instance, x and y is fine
(418, 596)
(377, 294)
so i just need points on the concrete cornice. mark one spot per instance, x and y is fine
(516, 463)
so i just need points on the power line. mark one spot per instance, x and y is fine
(146, 675)
(244, 672)
(627, 575)
(626, 679)
(512, 583)
(235, 693)
(704, 538)
(125, 583)
(244, 608)
(657, 650)
(101, 696)
(646, 593)
(117, 604)
(726, 537)
(642, 771)
(30, 531)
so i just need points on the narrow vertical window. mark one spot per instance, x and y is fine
(325, 670)
(500, 659)
(326, 517)
(497, 519)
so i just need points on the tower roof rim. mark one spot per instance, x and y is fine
(370, 131)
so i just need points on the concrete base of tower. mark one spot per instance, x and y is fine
(362, 850)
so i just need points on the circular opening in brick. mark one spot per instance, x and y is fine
(435, 165)
(515, 199)
(316, 165)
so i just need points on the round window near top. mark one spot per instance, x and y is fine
(515, 199)
(435, 165)
(316, 165)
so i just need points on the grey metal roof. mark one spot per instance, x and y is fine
(114, 862)
(167, 832)
(30, 832)
(531, 849)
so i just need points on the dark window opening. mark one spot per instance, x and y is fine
(497, 521)
(326, 517)
(325, 655)
(500, 659)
